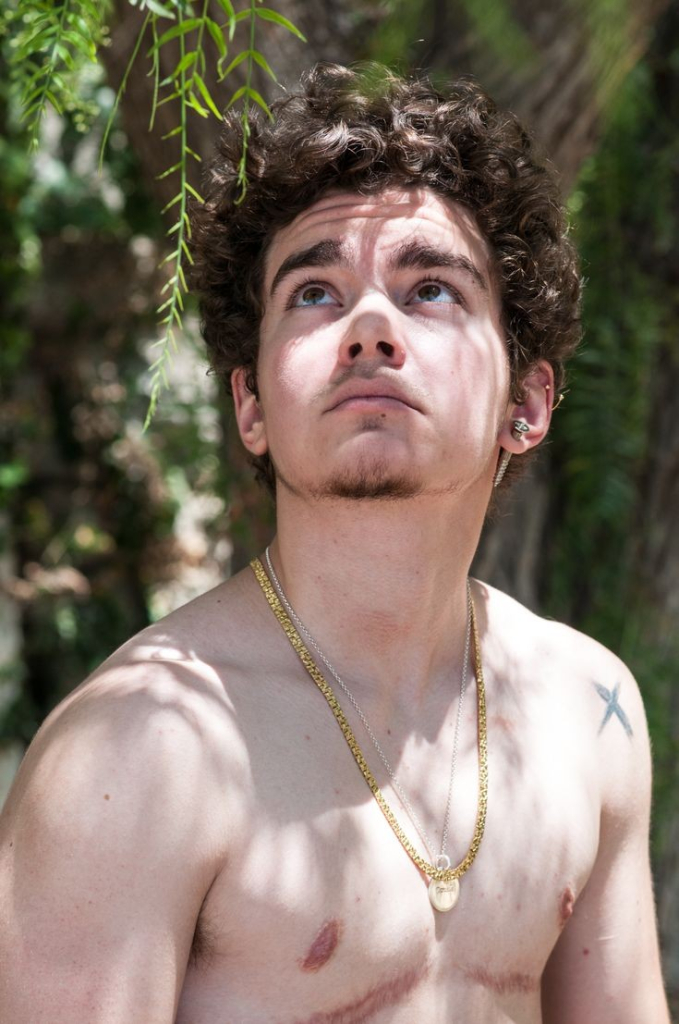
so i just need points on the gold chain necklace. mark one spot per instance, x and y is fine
(445, 882)
(442, 861)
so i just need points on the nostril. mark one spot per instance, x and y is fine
(385, 347)
(354, 350)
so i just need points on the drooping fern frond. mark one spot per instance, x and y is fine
(52, 43)
(188, 88)
(53, 40)
(249, 95)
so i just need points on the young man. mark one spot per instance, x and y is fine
(191, 836)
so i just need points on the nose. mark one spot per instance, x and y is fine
(372, 336)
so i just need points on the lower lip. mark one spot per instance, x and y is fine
(372, 403)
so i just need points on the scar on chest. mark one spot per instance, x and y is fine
(323, 946)
(566, 905)
(380, 997)
(503, 982)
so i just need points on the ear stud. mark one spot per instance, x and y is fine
(520, 427)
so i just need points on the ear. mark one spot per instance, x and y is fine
(249, 415)
(535, 410)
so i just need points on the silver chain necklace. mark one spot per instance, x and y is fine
(442, 861)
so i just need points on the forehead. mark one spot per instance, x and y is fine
(374, 224)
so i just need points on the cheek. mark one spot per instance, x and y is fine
(294, 368)
(478, 366)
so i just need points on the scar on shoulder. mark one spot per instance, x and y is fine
(566, 905)
(323, 946)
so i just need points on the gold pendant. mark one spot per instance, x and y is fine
(444, 895)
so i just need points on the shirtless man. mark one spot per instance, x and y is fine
(190, 837)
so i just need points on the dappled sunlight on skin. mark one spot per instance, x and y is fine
(306, 870)
(457, 347)
(92, 751)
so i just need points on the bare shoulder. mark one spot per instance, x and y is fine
(120, 820)
(591, 690)
(154, 717)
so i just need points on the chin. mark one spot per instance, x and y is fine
(376, 481)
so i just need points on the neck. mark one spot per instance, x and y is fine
(381, 585)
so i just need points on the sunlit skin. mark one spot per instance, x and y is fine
(435, 334)
(189, 839)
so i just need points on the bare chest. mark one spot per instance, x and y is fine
(321, 916)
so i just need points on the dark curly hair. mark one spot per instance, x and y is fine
(364, 129)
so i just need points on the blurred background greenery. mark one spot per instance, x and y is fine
(104, 528)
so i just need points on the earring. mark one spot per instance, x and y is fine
(502, 467)
(519, 428)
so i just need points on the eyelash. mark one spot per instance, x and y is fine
(444, 284)
(290, 302)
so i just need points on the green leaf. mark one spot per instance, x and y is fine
(162, 10)
(227, 7)
(266, 14)
(85, 46)
(168, 99)
(237, 95)
(187, 60)
(171, 203)
(196, 195)
(260, 101)
(260, 59)
(238, 59)
(170, 170)
(194, 102)
(54, 101)
(190, 25)
(91, 8)
(177, 130)
(205, 93)
(218, 36)
(66, 57)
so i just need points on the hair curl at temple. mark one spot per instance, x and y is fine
(364, 129)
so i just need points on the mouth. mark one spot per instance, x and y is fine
(371, 403)
(367, 398)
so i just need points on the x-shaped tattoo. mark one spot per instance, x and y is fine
(612, 707)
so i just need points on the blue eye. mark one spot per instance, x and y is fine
(435, 291)
(312, 295)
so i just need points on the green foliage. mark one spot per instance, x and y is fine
(625, 211)
(51, 44)
(53, 41)
(602, 428)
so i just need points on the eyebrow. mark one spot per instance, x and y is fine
(412, 255)
(421, 256)
(328, 252)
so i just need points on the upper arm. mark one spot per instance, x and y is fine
(105, 858)
(606, 964)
